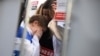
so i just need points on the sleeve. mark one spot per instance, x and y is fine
(28, 48)
(19, 32)
(35, 42)
(32, 49)
(17, 42)
(17, 45)
(56, 43)
(61, 31)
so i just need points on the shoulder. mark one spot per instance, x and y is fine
(19, 32)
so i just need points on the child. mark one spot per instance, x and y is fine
(35, 28)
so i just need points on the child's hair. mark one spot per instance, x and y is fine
(40, 18)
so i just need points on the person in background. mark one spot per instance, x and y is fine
(46, 41)
(57, 32)
(35, 28)
(52, 38)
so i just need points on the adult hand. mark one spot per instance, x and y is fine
(53, 27)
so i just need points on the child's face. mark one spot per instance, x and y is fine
(39, 31)
(38, 27)
(41, 28)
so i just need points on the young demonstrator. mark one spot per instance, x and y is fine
(35, 28)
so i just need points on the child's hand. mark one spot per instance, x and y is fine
(39, 33)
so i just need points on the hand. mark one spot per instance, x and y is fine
(53, 27)
(39, 33)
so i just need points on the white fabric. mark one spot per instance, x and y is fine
(17, 44)
(57, 46)
(28, 48)
(22, 24)
(32, 49)
(35, 43)
(36, 46)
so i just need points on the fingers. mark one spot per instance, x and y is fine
(53, 27)
(39, 33)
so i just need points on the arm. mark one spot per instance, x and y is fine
(28, 48)
(57, 31)
(31, 48)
